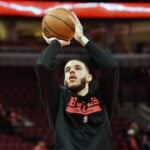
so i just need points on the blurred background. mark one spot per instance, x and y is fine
(121, 28)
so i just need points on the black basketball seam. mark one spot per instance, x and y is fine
(62, 21)
(54, 31)
(65, 10)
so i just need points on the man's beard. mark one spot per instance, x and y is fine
(77, 88)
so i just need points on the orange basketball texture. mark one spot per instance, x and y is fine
(56, 23)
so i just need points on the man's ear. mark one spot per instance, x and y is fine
(89, 77)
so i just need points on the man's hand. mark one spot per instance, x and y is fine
(49, 40)
(78, 36)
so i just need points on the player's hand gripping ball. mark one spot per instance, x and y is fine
(57, 23)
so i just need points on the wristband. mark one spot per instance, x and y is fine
(84, 40)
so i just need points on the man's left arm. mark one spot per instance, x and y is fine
(108, 85)
(104, 60)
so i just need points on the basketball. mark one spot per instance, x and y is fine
(56, 23)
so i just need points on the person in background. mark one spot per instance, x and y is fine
(17, 120)
(145, 142)
(41, 145)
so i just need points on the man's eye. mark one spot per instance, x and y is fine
(78, 68)
(66, 70)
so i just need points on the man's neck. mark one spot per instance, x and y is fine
(84, 91)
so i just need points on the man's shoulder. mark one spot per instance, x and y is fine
(63, 87)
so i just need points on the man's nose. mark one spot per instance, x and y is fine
(72, 70)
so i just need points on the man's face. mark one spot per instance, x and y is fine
(76, 75)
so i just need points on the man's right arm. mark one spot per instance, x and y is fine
(49, 88)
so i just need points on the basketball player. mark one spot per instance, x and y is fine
(77, 116)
